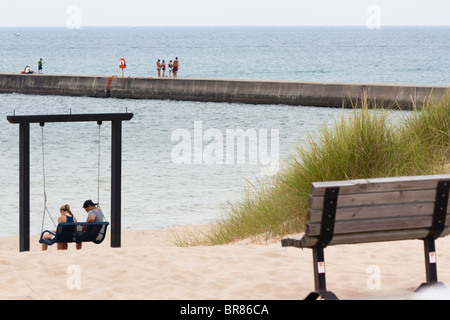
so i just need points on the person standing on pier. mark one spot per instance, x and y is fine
(175, 67)
(158, 67)
(163, 66)
(40, 63)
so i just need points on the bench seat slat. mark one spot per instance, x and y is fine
(368, 225)
(379, 211)
(379, 198)
(379, 184)
(353, 238)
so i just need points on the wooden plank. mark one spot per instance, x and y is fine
(379, 198)
(70, 117)
(369, 225)
(379, 211)
(379, 184)
(353, 238)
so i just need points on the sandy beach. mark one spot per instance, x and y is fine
(150, 266)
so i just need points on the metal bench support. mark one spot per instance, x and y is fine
(319, 277)
(430, 267)
(438, 224)
(326, 234)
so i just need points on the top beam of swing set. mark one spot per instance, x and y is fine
(24, 167)
(70, 117)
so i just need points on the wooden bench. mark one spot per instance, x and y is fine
(373, 210)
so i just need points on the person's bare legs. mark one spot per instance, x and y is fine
(44, 246)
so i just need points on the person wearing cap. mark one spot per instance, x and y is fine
(94, 214)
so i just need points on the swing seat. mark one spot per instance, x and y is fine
(77, 232)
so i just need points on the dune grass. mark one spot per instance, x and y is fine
(362, 143)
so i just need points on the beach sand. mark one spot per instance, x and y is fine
(150, 266)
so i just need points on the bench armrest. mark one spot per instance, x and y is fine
(292, 242)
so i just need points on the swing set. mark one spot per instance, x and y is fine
(80, 231)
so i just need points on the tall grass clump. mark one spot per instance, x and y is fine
(425, 133)
(364, 142)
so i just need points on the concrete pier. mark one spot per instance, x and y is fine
(324, 94)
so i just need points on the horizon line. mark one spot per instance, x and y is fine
(196, 26)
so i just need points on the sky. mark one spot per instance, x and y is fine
(80, 13)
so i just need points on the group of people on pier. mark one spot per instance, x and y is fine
(172, 66)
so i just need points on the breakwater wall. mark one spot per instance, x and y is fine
(222, 90)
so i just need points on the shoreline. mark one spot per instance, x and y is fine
(150, 266)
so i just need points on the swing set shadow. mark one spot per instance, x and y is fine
(24, 167)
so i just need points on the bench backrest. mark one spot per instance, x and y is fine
(382, 209)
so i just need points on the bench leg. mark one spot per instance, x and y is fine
(430, 266)
(319, 277)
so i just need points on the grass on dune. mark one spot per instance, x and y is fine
(362, 143)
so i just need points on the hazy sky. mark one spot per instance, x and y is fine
(81, 13)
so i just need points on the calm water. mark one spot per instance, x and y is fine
(157, 190)
(351, 54)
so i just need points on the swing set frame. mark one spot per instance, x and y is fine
(24, 167)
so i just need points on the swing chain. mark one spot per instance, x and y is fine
(43, 177)
(98, 163)
(98, 168)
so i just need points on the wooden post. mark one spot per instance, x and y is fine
(24, 187)
(116, 182)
